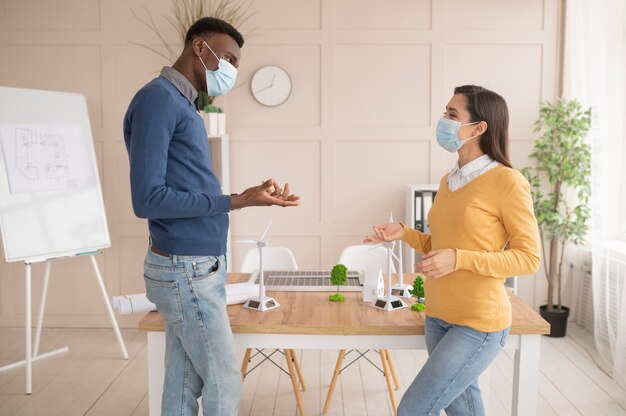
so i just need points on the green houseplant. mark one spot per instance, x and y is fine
(183, 14)
(418, 292)
(562, 167)
(338, 277)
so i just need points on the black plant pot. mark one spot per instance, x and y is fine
(557, 319)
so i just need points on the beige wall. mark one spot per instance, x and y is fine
(370, 79)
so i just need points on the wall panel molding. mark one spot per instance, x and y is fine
(370, 81)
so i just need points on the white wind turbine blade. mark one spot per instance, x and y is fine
(246, 241)
(266, 230)
(390, 216)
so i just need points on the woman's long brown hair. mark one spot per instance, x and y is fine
(485, 105)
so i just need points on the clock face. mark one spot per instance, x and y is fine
(270, 85)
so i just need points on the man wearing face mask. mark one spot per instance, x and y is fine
(174, 187)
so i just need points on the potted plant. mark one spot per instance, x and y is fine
(418, 292)
(562, 160)
(338, 276)
(214, 120)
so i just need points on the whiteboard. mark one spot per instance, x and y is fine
(50, 197)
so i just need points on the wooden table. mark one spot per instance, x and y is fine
(308, 320)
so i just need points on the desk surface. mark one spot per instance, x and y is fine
(311, 313)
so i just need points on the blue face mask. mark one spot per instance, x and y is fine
(448, 134)
(222, 80)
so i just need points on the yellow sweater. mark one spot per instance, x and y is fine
(477, 220)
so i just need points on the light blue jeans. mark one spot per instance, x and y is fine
(190, 294)
(457, 355)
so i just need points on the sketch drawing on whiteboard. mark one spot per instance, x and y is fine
(46, 157)
(36, 152)
(23, 140)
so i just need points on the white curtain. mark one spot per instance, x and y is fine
(594, 73)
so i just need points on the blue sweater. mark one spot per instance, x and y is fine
(171, 177)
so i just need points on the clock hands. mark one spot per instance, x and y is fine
(262, 89)
(269, 86)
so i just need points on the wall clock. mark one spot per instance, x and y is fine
(270, 85)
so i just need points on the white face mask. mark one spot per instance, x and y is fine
(222, 80)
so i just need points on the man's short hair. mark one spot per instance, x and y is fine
(210, 25)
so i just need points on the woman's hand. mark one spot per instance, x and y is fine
(437, 263)
(385, 232)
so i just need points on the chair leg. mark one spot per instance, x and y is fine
(392, 396)
(296, 364)
(294, 382)
(393, 371)
(244, 364)
(333, 382)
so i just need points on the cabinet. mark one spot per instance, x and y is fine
(220, 160)
(418, 199)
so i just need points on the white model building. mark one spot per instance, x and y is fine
(373, 284)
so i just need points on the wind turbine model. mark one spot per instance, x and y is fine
(262, 303)
(389, 302)
(400, 289)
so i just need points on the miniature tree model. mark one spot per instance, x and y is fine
(338, 277)
(418, 292)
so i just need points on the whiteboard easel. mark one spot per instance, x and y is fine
(51, 206)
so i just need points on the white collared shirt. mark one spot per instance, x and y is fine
(460, 177)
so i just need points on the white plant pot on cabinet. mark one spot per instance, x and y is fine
(221, 123)
(214, 123)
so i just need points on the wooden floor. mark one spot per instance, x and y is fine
(92, 379)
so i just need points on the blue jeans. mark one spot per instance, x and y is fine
(190, 293)
(457, 355)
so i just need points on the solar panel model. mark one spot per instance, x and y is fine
(308, 281)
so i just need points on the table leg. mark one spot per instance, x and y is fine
(156, 371)
(392, 396)
(297, 366)
(333, 382)
(485, 391)
(244, 364)
(294, 382)
(526, 376)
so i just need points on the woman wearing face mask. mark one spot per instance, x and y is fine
(483, 230)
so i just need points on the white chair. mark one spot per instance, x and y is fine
(364, 256)
(274, 258)
(361, 257)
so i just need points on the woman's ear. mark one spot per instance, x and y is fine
(481, 128)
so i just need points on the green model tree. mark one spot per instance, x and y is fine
(418, 292)
(338, 276)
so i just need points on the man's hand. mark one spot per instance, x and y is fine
(266, 194)
(385, 232)
(437, 263)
